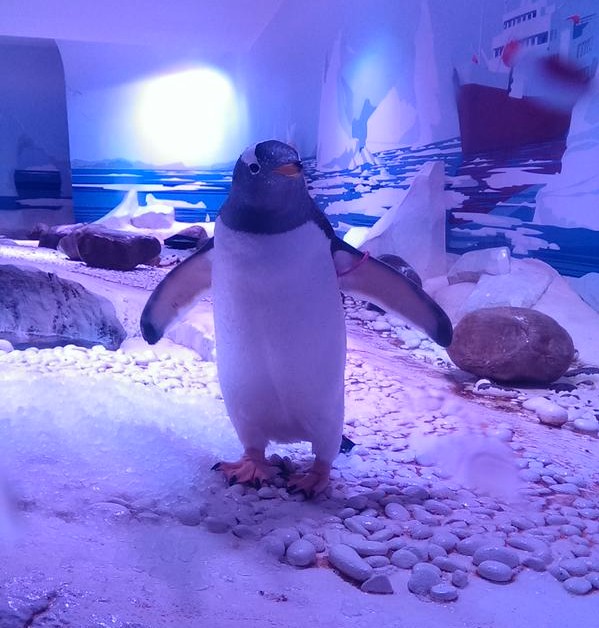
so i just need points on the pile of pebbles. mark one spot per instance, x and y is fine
(572, 402)
(390, 513)
(442, 535)
(179, 374)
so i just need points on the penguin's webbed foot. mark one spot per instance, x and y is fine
(251, 469)
(311, 483)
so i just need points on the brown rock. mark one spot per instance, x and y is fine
(36, 231)
(511, 344)
(189, 238)
(115, 250)
(49, 237)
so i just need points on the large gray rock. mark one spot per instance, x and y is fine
(530, 284)
(41, 309)
(511, 344)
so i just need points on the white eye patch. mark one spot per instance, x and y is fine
(249, 155)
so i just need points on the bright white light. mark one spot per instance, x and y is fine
(186, 117)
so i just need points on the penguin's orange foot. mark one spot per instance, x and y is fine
(311, 483)
(247, 470)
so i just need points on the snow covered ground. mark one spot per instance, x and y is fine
(111, 516)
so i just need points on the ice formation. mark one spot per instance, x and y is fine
(421, 214)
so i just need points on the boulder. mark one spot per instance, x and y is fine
(40, 309)
(190, 238)
(115, 250)
(512, 345)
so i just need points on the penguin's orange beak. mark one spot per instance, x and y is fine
(292, 169)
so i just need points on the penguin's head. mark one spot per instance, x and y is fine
(268, 190)
(270, 159)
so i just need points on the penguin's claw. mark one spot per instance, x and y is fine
(247, 471)
(311, 484)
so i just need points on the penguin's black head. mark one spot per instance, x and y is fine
(267, 162)
(268, 193)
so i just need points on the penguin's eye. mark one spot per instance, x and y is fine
(254, 168)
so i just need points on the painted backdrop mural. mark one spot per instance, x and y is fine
(522, 166)
(35, 174)
(503, 94)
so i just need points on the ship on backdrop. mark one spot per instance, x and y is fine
(515, 100)
(522, 91)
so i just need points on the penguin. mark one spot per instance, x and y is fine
(276, 270)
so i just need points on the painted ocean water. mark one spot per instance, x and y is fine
(492, 204)
(97, 191)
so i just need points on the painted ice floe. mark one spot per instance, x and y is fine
(507, 177)
(522, 239)
(152, 200)
(375, 203)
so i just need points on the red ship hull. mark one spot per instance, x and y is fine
(491, 120)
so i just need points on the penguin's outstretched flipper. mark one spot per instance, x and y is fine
(372, 280)
(177, 293)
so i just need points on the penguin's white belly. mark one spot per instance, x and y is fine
(280, 336)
